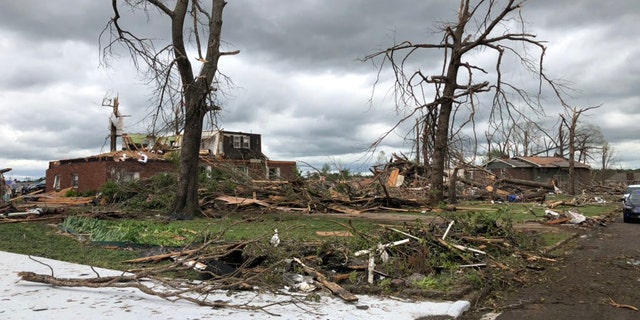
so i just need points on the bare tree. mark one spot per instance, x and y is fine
(607, 154)
(571, 126)
(588, 142)
(454, 90)
(188, 96)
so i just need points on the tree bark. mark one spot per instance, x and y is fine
(441, 145)
(196, 91)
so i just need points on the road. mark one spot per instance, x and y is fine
(599, 279)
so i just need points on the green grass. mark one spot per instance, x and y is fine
(522, 212)
(49, 240)
(83, 240)
(179, 233)
(551, 238)
(44, 240)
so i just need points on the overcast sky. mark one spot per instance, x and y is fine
(298, 80)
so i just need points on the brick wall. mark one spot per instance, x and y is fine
(93, 174)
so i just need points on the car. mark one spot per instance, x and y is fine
(630, 188)
(34, 187)
(631, 207)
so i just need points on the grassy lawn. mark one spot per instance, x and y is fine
(45, 240)
(82, 240)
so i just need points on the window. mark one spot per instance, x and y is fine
(241, 142)
(243, 169)
(56, 182)
(74, 180)
(130, 176)
(274, 173)
(246, 142)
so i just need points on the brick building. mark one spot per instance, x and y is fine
(144, 156)
(90, 173)
(541, 169)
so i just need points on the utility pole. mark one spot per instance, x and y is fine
(115, 121)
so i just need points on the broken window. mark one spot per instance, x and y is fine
(274, 173)
(243, 169)
(130, 176)
(56, 182)
(237, 142)
(74, 180)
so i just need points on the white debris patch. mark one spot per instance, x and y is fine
(27, 300)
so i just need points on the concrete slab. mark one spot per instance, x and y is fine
(26, 300)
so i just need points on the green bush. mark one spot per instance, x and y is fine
(157, 192)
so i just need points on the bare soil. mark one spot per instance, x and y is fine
(598, 277)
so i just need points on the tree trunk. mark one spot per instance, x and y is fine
(572, 150)
(441, 145)
(196, 91)
(185, 205)
(453, 178)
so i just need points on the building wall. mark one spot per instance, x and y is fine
(258, 170)
(120, 171)
(519, 173)
(93, 174)
(561, 175)
(287, 169)
(241, 151)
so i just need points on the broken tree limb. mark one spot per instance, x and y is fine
(332, 286)
(454, 249)
(174, 254)
(406, 234)
(370, 267)
(163, 256)
(343, 209)
(529, 183)
(134, 281)
(464, 248)
(559, 243)
(624, 306)
(448, 228)
(381, 247)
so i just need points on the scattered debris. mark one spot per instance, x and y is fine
(275, 239)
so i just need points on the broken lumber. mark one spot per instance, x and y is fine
(529, 183)
(332, 286)
(163, 256)
(343, 209)
(334, 234)
(242, 201)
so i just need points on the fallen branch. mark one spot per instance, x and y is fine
(559, 243)
(332, 286)
(624, 306)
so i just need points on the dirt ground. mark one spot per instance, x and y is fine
(599, 278)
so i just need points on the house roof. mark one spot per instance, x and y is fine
(120, 155)
(552, 162)
(539, 162)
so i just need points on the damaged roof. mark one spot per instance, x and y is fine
(120, 155)
(538, 162)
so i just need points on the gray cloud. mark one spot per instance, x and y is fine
(298, 80)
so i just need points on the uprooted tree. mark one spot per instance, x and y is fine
(448, 99)
(189, 97)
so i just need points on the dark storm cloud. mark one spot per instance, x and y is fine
(55, 20)
(328, 35)
(298, 80)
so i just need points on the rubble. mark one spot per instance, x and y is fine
(446, 242)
